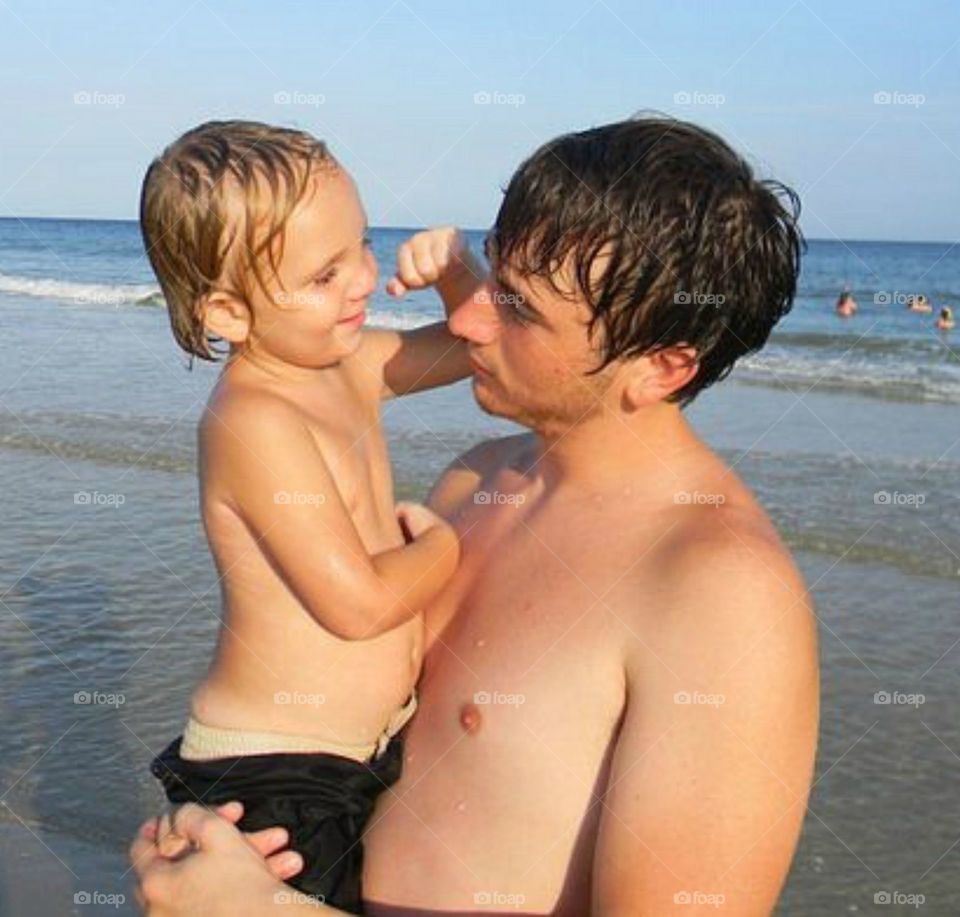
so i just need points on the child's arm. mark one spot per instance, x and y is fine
(279, 484)
(410, 361)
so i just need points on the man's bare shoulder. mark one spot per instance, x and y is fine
(727, 585)
(463, 475)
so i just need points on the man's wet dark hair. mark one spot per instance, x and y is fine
(692, 248)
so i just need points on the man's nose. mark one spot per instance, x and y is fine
(476, 320)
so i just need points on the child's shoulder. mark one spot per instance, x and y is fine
(245, 415)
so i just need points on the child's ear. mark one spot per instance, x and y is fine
(656, 376)
(224, 316)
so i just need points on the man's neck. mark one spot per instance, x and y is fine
(649, 448)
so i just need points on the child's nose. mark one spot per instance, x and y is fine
(365, 282)
(476, 320)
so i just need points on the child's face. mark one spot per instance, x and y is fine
(316, 306)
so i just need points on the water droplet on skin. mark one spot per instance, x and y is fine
(461, 806)
(409, 757)
(480, 643)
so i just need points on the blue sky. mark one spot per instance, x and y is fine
(91, 91)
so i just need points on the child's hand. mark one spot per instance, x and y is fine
(415, 519)
(427, 258)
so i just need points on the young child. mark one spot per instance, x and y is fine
(257, 237)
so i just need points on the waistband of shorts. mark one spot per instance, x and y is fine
(201, 742)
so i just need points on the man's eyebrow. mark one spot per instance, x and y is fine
(512, 291)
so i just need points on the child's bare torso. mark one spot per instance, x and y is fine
(276, 668)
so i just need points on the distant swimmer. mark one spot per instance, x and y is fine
(846, 305)
(945, 320)
(919, 303)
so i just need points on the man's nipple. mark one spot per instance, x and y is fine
(470, 718)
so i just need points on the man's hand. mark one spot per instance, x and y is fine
(434, 256)
(225, 872)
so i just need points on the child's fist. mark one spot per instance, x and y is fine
(426, 258)
(415, 519)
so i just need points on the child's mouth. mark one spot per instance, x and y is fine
(355, 320)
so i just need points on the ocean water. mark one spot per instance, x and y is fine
(849, 431)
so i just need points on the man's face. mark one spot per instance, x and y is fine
(531, 352)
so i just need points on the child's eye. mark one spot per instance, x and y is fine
(323, 279)
(367, 241)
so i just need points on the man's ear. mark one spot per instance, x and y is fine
(224, 316)
(656, 376)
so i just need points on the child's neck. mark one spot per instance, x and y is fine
(257, 365)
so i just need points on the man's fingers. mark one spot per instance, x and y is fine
(285, 865)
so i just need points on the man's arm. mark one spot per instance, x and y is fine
(282, 489)
(403, 362)
(713, 762)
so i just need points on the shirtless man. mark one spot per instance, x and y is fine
(618, 710)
